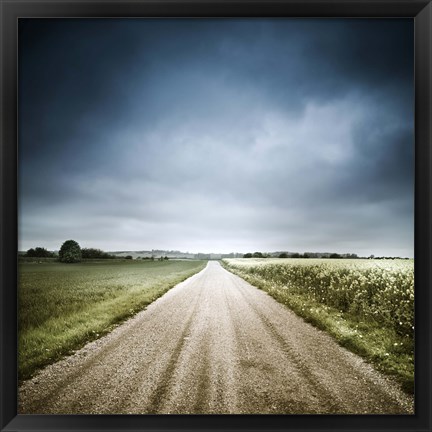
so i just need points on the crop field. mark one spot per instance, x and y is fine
(367, 305)
(63, 306)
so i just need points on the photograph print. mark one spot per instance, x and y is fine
(216, 216)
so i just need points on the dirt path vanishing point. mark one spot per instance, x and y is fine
(213, 344)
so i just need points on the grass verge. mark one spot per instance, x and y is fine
(390, 352)
(61, 307)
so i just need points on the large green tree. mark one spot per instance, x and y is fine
(70, 252)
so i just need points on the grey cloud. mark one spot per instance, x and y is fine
(217, 135)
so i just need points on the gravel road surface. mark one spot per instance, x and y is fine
(213, 344)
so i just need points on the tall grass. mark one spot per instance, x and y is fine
(367, 305)
(63, 306)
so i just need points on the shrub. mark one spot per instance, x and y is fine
(39, 252)
(92, 253)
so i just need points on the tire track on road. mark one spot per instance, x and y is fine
(310, 379)
(156, 400)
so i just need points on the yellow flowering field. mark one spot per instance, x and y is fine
(382, 290)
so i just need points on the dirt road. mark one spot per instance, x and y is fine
(213, 344)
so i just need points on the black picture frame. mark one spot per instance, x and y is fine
(419, 10)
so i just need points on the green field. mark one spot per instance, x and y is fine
(366, 305)
(63, 306)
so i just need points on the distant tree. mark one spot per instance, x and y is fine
(306, 255)
(257, 255)
(166, 258)
(283, 255)
(128, 257)
(295, 255)
(335, 255)
(91, 253)
(30, 253)
(39, 252)
(70, 252)
(247, 255)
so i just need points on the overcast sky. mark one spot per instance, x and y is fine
(217, 135)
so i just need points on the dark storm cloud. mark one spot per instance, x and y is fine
(217, 135)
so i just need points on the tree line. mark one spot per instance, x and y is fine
(70, 252)
(297, 255)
